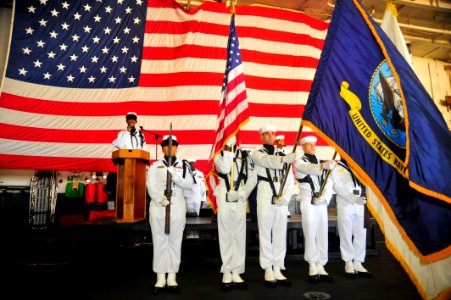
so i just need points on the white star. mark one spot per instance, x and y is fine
(116, 40)
(120, 1)
(87, 7)
(65, 5)
(51, 54)
(107, 30)
(126, 30)
(118, 20)
(96, 40)
(108, 9)
(87, 29)
(37, 63)
(53, 34)
(131, 79)
(114, 58)
(43, 22)
(97, 18)
(83, 69)
(128, 10)
(139, 2)
(61, 67)
(73, 57)
(136, 21)
(77, 16)
(94, 59)
(75, 37)
(124, 50)
(65, 26)
(31, 9)
(91, 79)
(112, 79)
(23, 72)
(85, 48)
(29, 30)
(54, 13)
(123, 69)
(47, 75)
(26, 51)
(103, 69)
(105, 50)
(63, 47)
(135, 40)
(70, 78)
(43, 2)
(40, 43)
(134, 58)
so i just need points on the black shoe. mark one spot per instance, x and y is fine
(313, 279)
(326, 278)
(284, 282)
(365, 274)
(350, 275)
(158, 290)
(270, 284)
(240, 285)
(225, 287)
(174, 289)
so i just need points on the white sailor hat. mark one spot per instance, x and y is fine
(308, 139)
(191, 160)
(267, 128)
(165, 141)
(280, 137)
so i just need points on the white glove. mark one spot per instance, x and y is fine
(360, 200)
(164, 201)
(280, 201)
(234, 196)
(329, 165)
(176, 178)
(319, 201)
(171, 170)
(289, 158)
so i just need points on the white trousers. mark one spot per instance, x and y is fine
(272, 229)
(315, 229)
(167, 248)
(352, 234)
(232, 234)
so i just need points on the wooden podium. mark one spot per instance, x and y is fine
(131, 184)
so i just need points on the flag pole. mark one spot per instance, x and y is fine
(325, 178)
(232, 175)
(296, 142)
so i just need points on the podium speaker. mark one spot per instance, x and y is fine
(131, 184)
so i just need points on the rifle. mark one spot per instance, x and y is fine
(168, 191)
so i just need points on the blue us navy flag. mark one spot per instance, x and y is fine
(368, 103)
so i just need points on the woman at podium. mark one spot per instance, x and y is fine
(131, 138)
(167, 181)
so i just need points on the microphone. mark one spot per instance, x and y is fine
(133, 130)
(140, 127)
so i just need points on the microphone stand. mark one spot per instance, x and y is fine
(157, 136)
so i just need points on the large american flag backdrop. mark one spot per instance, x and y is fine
(75, 68)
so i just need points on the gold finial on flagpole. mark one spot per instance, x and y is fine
(233, 4)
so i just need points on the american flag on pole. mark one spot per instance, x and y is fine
(233, 107)
(75, 69)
